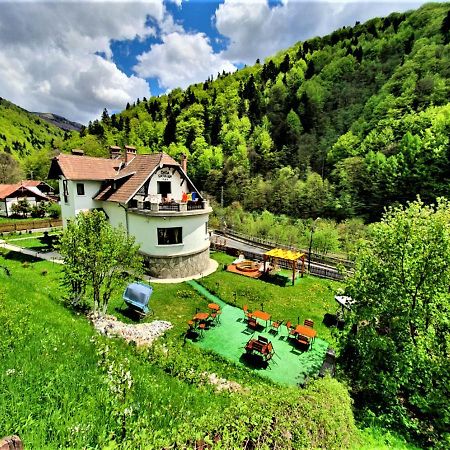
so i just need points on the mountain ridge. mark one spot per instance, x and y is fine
(59, 121)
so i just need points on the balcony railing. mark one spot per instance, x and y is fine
(191, 206)
(172, 206)
(168, 206)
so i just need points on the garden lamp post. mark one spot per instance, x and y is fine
(313, 227)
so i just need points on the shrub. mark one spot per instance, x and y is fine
(54, 211)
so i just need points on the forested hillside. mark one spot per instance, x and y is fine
(334, 126)
(29, 140)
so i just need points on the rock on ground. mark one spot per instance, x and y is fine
(222, 384)
(140, 334)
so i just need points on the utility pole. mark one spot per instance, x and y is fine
(310, 243)
(221, 196)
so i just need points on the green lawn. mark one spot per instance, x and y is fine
(54, 387)
(55, 393)
(310, 298)
(290, 365)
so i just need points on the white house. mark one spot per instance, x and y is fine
(33, 191)
(151, 196)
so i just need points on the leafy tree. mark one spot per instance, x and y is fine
(396, 347)
(54, 210)
(21, 207)
(36, 165)
(10, 171)
(99, 257)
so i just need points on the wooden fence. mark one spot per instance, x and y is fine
(30, 225)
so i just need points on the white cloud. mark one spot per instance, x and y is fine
(48, 59)
(256, 30)
(181, 59)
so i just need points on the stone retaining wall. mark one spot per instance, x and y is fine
(177, 266)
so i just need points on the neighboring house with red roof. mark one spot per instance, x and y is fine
(33, 191)
(150, 195)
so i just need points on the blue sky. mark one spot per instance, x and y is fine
(75, 58)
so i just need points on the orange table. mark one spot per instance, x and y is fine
(214, 306)
(261, 315)
(306, 331)
(200, 316)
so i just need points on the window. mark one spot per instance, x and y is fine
(65, 192)
(206, 228)
(170, 236)
(164, 188)
(80, 188)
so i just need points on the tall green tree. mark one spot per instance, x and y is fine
(98, 258)
(396, 349)
(10, 171)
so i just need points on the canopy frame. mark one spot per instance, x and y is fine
(286, 255)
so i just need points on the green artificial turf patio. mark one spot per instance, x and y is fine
(289, 366)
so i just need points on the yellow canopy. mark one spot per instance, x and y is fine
(281, 253)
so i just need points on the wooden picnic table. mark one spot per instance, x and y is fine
(262, 315)
(201, 316)
(214, 306)
(306, 331)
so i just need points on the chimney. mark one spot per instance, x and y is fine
(130, 153)
(77, 151)
(115, 152)
(184, 162)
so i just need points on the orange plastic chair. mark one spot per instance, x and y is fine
(309, 323)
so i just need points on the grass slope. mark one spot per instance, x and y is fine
(55, 393)
(22, 133)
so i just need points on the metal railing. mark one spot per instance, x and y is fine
(317, 257)
(319, 271)
(195, 205)
(169, 206)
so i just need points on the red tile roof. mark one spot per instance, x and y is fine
(120, 185)
(7, 190)
(74, 167)
(134, 175)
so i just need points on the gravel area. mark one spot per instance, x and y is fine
(140, 334)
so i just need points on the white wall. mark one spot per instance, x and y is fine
(10, 201)
(144, 229)
(77, 203)
(167, 174)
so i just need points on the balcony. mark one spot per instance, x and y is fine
(169, 208)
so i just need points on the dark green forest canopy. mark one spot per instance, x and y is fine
(336, 126)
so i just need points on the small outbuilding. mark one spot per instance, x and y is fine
(30, 190)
